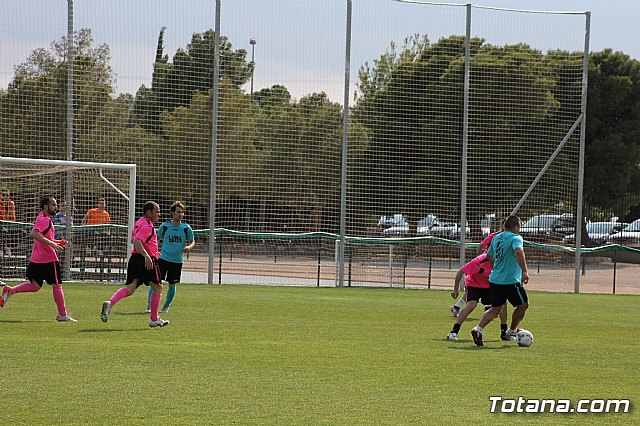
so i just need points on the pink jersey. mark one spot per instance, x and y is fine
(145, 232)
(486, 243)
(43, 253)
(477, 272)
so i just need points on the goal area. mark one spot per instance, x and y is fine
(96, 203)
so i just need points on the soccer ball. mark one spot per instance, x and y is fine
(524, 338)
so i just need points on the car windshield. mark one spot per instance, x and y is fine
(540, 222)
(599, 228)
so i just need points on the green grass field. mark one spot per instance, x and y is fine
(282, 355)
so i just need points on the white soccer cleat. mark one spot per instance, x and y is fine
(66, 318)
(106, 310)
(158, 323)
(147, 311)
(452, 336)
(164, 310)
(511, 334)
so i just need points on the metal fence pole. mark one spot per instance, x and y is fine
(68, 258)
(465, 138)
(583, 131)
(214, 147)
(345, 146)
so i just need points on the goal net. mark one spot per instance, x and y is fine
(96, 204)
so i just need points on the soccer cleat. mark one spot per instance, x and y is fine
(452, 336)
(477, 336)
(147, 311)
(503, 336)
(2, 284)
(164, 309)
(158, 323)
(510, 335)
(106, 310)
(455, 311)
(66, 318)
(6, 292)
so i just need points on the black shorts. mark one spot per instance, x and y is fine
(170, 271)
(137, 271)
(477, 294)
(41, 272)
(514, 293)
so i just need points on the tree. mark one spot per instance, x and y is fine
(190, 71)
(612, 157)
(35, 103)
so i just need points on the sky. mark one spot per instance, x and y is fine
(301, 43)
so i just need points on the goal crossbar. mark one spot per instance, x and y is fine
(89, 164)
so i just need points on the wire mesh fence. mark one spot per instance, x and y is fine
(453, 112)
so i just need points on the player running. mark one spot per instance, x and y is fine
(142, 267)
(507, 279)
(177, 239)
(44, 264)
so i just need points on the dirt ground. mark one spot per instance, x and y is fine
(597, 276)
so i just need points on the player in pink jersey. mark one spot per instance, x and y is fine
(142, 267)
(476, 289)
(482, 248)
(44, 264)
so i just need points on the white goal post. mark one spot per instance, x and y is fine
(99, 167)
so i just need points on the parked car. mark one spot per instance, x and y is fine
(486, 224)
(448, 230)
(426, 223)
(599, 232)
(628, 236)
(547, 227)
(393, 226)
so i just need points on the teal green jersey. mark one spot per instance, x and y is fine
(174, 239)
(505, 265)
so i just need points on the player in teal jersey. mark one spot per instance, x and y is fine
(177, 239)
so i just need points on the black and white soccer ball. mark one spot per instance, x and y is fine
(524, 338)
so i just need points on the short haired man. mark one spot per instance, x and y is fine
(142, 267)
(97, 215)
(44, 264)
(177, 239)
(509, 275)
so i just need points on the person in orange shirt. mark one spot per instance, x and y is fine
(97, 215)
(98, 238)
(7, 206)
(8, 213)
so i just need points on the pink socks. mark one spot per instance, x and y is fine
(119, 295)
(154, 305)
(27, 287)
(58, 297)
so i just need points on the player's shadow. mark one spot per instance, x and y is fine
(108, 330)
(136, 313)
(468, 345)
(22, 321)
